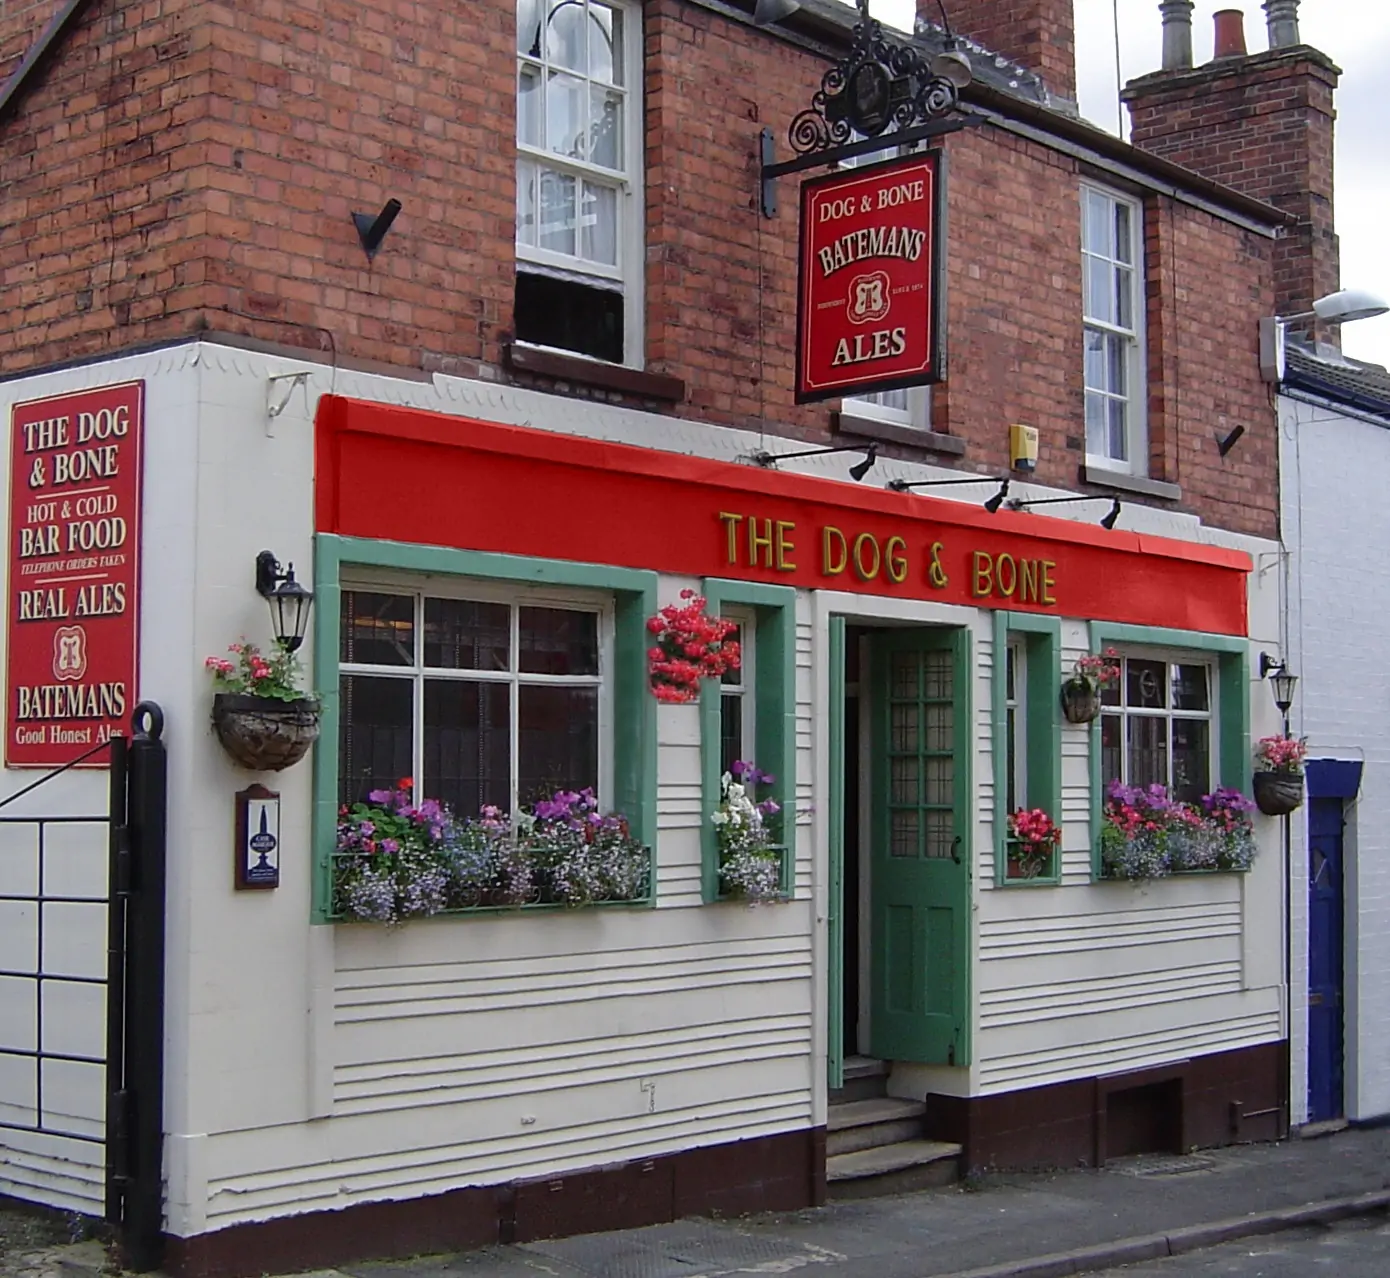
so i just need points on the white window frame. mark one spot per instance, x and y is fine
(516, 597)
(1211, 715)
(744, 686)
(628, 274)
(1016, 655)
(1136, 369)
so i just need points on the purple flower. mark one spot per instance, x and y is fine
(379, 796)
(390, 845)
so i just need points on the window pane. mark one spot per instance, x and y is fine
(1097, 424)
(1095, 359)
(374, 734)
(558, 741)
(1124, 297)
(467, 744)
(462, 634)
(1010, 729)
(377, 630)
(1124, 235)
(1009, 665)
(1099, 290)
(1148, 750)
(734, 678)
(1191, 759)
(605, 43)
(569, 315)
(557, 641)
(730, 730)
(525, 203)
(557, 193)
(528, 106)
(1117, 364)
(605, 127)
(1190, 688)
(528, 28)
(600, 225)
(564, 116)
(564, 41)
(1095, 227)
(1111, 762)
(1145, 683)
(1118, 411)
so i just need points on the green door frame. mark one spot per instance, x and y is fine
(835, 905)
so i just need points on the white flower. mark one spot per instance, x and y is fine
(719, 818)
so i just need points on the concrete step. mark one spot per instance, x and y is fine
(865, 1124)
(865, 1078)
(902, 1168)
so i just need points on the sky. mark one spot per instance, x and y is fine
(1355, 34)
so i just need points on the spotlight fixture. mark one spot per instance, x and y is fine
(992, 505)
(372, 230)
(856, 472)
(289, 601)
(1107, 522)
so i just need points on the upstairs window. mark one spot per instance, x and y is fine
(578, 180)
(1112, 303)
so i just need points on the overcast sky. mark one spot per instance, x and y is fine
(1355, 34)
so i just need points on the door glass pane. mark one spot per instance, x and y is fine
(941, 833)
(939, 723)
(730, 730)
(1190, 688)
(904, 722)
(462, 634)
(467, 744)
(376, 629)
(1145, 683)
(557, 741)
(1191, 759)
(374, 734)
(937, 667)
(1148, 750)
(558, 641)
(940, 773)
(904, 777)
(905, 681)
(903, 832)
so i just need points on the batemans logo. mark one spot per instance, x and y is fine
(867, 303)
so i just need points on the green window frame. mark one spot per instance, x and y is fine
(1042, 730)
(634, 594)
(774, 726)
(1232, 654)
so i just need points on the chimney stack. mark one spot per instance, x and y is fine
(1281, 17)
(1230, 33)
(1260, 123)
(1039, 35)
(1177, 34)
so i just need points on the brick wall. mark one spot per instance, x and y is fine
(1263, 125)
(194, 165)
(1037, 34)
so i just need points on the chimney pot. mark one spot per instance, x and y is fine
(1281, 17)
(1230, 33)
(1177, 34)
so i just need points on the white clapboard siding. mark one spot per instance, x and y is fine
(54, 1170)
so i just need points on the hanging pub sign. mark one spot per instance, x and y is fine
(74, 572)
(868, 306)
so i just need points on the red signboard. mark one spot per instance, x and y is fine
(406, 475)
(75, 467)
(867, 306)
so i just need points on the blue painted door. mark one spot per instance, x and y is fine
(1325, 965)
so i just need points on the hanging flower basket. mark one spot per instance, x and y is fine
(262, 733)
(1278, 793)
(687, 646)
(1081, 692)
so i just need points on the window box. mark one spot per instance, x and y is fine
(1026, 863)
(780, 855)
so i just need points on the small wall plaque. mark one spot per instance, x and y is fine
(257, 838)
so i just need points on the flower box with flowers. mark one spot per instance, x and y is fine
(1031, 847)
(1146, 834)
(752, 864)
(400, 858)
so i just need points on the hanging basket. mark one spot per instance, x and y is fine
(1278, 793)
(1080, 701)
(264, 734)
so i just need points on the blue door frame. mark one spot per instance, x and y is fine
(1326, 933)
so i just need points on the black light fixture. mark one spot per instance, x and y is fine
(992, 505)
(371, 230)
(1282, 683)
(1107, 522)
(289, 601)
(856, 472)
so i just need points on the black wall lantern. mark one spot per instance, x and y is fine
(289, 601)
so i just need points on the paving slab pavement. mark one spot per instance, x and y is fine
(1000, 1224)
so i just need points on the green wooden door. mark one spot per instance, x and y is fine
(920, 847)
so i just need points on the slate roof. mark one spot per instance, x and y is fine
(1335, 377)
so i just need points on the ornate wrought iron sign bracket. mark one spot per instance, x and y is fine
(882, 93)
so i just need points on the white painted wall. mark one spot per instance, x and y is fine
(1336, 521)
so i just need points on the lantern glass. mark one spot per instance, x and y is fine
(289, 611)
(1282, 683)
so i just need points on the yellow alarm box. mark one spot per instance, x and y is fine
(1023, 447)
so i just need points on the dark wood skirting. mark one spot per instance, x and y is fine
(1219, 1099)
(769, 1173)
